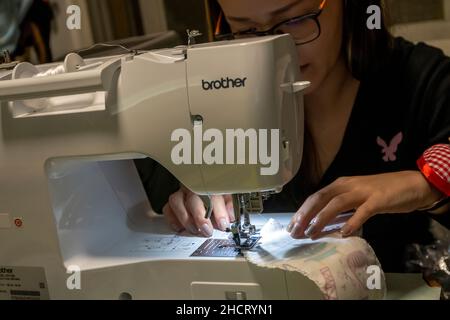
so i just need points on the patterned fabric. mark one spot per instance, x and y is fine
(435, 165)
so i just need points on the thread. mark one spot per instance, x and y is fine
(72, 63)
(60, 69)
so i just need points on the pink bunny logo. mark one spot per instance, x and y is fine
(391, 150)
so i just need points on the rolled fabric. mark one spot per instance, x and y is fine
(435, 166)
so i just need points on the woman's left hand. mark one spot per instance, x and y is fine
(399, 192)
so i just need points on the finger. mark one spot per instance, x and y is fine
(171, 219)
(230, 209)
(221, 216)
(314, 204)
(339, 204)
(176, 203)
(196, 208)
(362, 214)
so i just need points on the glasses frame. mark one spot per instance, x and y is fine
(272, 31)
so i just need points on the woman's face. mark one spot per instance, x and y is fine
(317, 58)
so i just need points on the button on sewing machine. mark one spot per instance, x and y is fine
(236, 295)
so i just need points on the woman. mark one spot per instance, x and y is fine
(376, 104)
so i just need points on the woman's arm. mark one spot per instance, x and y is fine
(399, 192)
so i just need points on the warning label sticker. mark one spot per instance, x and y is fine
(23, 283)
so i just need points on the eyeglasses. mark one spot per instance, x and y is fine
(304, 29)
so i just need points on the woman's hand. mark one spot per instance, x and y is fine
(400, 192)
(186, 211)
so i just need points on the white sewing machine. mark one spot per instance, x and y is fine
(70, 196)
(71, 199)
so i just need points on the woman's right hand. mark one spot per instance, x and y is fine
(186, 211)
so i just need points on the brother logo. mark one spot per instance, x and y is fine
(224, 83)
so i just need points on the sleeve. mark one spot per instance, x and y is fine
(429, 78)
(435, 166)
(434, 162)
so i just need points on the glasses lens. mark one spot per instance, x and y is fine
(304, 30)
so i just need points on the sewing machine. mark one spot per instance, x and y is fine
(75, 222)
(70, 196)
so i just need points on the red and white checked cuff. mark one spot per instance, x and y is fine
(435, 166)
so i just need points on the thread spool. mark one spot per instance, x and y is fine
(72, 63)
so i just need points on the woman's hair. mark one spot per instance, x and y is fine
(364, 48)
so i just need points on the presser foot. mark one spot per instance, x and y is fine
(248, 243)
(244, 240)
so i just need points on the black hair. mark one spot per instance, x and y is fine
(364, 48)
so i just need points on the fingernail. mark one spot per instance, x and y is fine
(192, 229)
(296, 220)
(176, 228)
(346, 231)
(290, 227)
(310, 231)
(295, 229)
(224, 224)
(207, 230)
